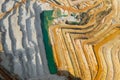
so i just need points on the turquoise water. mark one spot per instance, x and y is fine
(46, 19)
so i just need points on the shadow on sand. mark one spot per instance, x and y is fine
(68, 75)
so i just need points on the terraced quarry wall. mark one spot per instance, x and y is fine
(89, 48)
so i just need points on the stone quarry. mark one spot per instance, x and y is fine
(59, 40)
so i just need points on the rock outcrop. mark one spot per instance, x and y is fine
(22, 39)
